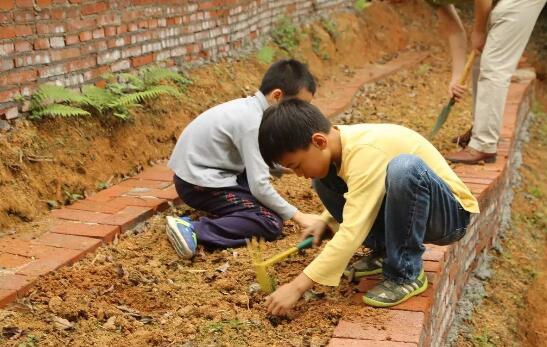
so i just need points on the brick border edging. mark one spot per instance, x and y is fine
(81, 228)
(425, 320)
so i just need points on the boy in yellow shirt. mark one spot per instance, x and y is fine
(382, 185)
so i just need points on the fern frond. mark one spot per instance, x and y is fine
(131, 81)
(51, 94)
(150, 93)
(58, 110)
(156, 74)
(98, 98)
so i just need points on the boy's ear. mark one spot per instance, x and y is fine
(275, 96)
(319, 140)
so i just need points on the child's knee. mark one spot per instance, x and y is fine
(404, 165)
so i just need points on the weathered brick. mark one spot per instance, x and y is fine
(98, 33)
(7, 296)
(121, 65)
(67, 241)
(43, 3)
(167, 193)
(7, 33)
(129, 217)
(85, 36)
(77, 25)
(157, 173)
(8, 95)
(6, 48)
(394, 331)
(63, 54)
(339, 342)
(23, 46)
(28, 249)
(6, 64)
(125, 218)
(142, 60)
(144, 183)
(20, 283)
(6, 5)
(90, 9)
(19, 76)
(72, 40)
(109, 193)
(24, 3)
(11, 261)
(9, 113)
(41, 44)
(42, 266)
(99, 231)
(57, 42)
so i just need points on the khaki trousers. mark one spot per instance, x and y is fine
(510, 25)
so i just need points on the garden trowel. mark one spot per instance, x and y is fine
(261, 265)
(441, 119)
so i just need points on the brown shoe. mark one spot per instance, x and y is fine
(463, 140)
(471, 156)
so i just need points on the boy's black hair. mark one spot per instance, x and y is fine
(290, 76)
(288, 127)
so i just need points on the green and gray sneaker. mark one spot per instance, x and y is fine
(368, 265)
(388, 293)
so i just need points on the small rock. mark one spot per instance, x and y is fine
(254, 288)
(61, 323)
(54, 304)
(100, 314)
(110, 324)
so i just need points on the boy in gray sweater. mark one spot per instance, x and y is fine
(218, 168)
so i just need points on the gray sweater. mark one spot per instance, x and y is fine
(220, 144)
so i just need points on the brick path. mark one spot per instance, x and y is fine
(82, 227)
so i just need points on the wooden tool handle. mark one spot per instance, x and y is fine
(467, 68)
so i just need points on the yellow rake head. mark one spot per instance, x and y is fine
(266, 282)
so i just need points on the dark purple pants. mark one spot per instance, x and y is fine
(238, 213)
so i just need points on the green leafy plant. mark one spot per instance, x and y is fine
(360, 5)
(122, 92)
(101, 185)
(330, 26)
(56, 101)
(316, 47)
(265, 55)
(71, 197)
(286, 34)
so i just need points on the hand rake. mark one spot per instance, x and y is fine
(261, 265)
(441, 119)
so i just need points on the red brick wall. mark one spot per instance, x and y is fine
(72, 42)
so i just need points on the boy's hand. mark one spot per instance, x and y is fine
(285, 297)
(317, 229)
(305, 220)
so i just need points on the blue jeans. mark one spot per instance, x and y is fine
(418, 208)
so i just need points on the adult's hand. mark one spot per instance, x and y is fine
(456, 90)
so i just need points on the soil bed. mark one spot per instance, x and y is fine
(136, 291)
(157, 298)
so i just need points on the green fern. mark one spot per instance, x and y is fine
(58, 110)
(122, 92)
(98, 98)
(286, 34)
(150, 93)
(153, 75)
(51, 100)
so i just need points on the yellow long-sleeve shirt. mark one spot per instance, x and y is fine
(366, 151)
